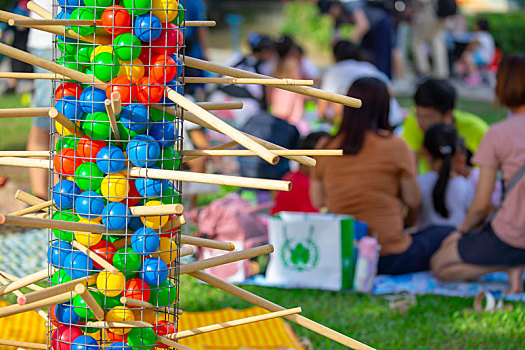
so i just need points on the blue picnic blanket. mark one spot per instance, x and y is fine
(23, 253)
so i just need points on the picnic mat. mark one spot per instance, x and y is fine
(23, 253)
(27, 327)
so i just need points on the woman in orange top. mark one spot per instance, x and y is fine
(375, 180)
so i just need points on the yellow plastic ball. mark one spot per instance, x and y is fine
(145, 315)
(166, 317)
(88, 239)
(63, 131)
(114, 187)
(133, 71)
(120, 314)
(154, 222)
(165, 10)
(109, 284)
(100, 49)
(167, 250)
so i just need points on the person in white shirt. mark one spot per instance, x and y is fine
(479, 53)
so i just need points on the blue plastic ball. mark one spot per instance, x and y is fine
(68, 106)
(115, 216)
(134, 117)
(78, 265)
(165, 133)
(143, 151)
(111, 159)
(180, 66)
(148, 187)
(92, 100)
(134, 223)
(147, 27)
(145, 241)
(57, 253)
(89, 205)
(64, 194)
(154, 271)
(70, 5)
(119, 346)
(84, 342)
(65, 313)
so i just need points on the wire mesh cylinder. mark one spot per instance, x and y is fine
(127, 264)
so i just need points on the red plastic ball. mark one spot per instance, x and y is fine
(106, 250)
(149, 92)
(163, 328)
(116, 20)
(63, 336)
(124, 87)
(137, 289)
(88, 148)
(169, 42)
(68, 89)
(146, 57)
(66, 161)
(116, 337)
(133, 197)
(163, 69)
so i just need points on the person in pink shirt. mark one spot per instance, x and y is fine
(499, 245)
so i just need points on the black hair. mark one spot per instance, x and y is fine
(441, 141)
(483, 24)
(437, 94)
(310, 141)
(345, 50)
(284, 45)
(260, 42)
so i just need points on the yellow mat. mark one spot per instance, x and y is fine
(27, 327)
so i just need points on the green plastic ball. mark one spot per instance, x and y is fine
(66, 48)
(110, 302)
(170, 196)
(69, 141)
(81, 308)
(170, 159)
(127, 47)
(105, 66)
(84, 14)
(179, 20)
(84, 55)
(68, 61)
(157, 115)
(163, 295)
(97, 126)
(66, 215)
(98, 3)
(142, 338)
(59, 277)
(136, 7)
(126, 134)
(127, 260)
(88, 176)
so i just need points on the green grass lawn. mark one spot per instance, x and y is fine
(14, 131)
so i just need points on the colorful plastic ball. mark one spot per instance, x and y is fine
(146, 57)
(136, 7)
(62, 337)
(115, 216)
(127, 47)
(133, 71)
(170, 196)
(163, 69)
(149, 92)
(99, 49)
(92, 100)
(162, 329)
(57, 253)
(98, 3)
(64, 313)
(89, 205)
(126, 259)
(68, 89)
(68, 106)
(68, 61)
(84, 56)
(111, 159)
(136, 289)
(147, 27)
(157, 221)
(179, 20)
(119, 314)
(59, 277)
(125, 134)
(88, 176)
(106, 66)
(106, 250)
(87, 239)
(110, 302)
(78, 265)
(143, 151)
(81, 308)
(63, 131)
(64, 215)
(110, 336)
(133, 197)
(165, 133)
(148, 187)
(66, 142)
(170, 159)
(167, 250)
(146, 315)
(116, 20)
(153, 271)
(157, 115)
(165, 10)
(114, 187)
(134, 117)
(145, 241)
(124, 87)
(169, 41)
(164, 294)
(89, 148)
(64, 194)
(110, 284)
(66, 161)
(84, 14)
(119, 346)
(134, 223)
(84, 342)
(142, 338)
(97, 126)
(180, 65)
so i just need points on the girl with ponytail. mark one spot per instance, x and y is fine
(446, 196)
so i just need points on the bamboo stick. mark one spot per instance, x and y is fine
(27, 198)
(165, 209)
(45, 293)
(46, 76)
(223, 126)
(118, 324)
(25, 281)
(270, 306)
(216, 106)
(239, 73)
(65, 122)
(6, 282)
(95, 257)
(198, 80)
(39, 10)
(224, 146)
(112, 118)
(25, 162)
(242, 152)
(60, 22)
(16, 309)
(185, 251)
(33, 208)
(225, 259)
(171, 343)
(15, 278)
(208, 243)
(116, 103)
(146, 305)
(23, 344)
(200, 23)
(81, 290)
(24, 112)
(24, 153)
(234, 323)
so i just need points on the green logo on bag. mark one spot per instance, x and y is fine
(300, 256)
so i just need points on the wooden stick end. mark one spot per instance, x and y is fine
(2, 219)
(21, 300)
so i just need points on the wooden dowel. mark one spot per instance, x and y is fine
(45, 293)
(65, 122)
(234, 323)
(16, 309)
(24, 112)
(27, 198)
(33, 208)
(200, 23)
(81, 290)
(39, 10)
(239, 73)
(23, 344)
(224, 146)
(24, 153)
(6, 282)
(25, 162)
(60, 22)
(95, 257)
(185, 251)
(222, 126)
(197, 80)
(240, 153)
(171, 343)
(226, 259)
(208, 243)
(227, 180)
(145, 304)
(46, 76)
(270, 306)
(112, 118)
(166, 209)
(217, 106)
(118, 324)
(25, 281)
(175, 223)
(116, 103)
(15, 278)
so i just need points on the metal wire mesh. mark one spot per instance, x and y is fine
(136, 48)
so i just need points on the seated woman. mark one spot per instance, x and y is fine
(375, 180)
(500, 244)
